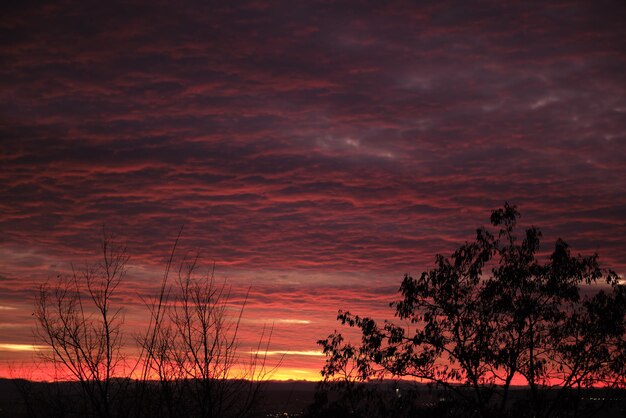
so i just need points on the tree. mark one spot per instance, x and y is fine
(193, 349)
(491, 313)
(190, 346)
(77, 321)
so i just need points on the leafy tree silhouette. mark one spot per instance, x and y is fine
(554, 325)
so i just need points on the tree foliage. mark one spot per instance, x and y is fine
(492, 314)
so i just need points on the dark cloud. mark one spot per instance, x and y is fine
(317, 141)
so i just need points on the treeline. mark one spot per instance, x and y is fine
(28, 399)
(401, 399)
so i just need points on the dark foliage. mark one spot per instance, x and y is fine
(27, 399)
(490, 315)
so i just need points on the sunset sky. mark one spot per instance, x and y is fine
(314, 150)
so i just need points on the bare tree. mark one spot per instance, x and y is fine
(189, 347)
(75, 317)
(194, 348)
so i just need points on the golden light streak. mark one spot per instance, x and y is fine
(296, 374)
(292, 321)
(312, 353)
(282, 321)
(22, 347)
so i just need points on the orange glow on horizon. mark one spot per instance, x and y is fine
(40, 372)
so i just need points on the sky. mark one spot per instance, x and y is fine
(314, 151)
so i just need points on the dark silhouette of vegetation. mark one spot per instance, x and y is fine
(192, 351)
(188, 363)
(489, 317)
(492, 315)
(86, 341)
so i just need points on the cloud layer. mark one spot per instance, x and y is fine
(307, 147)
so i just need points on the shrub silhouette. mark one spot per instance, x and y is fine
(492, 314)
